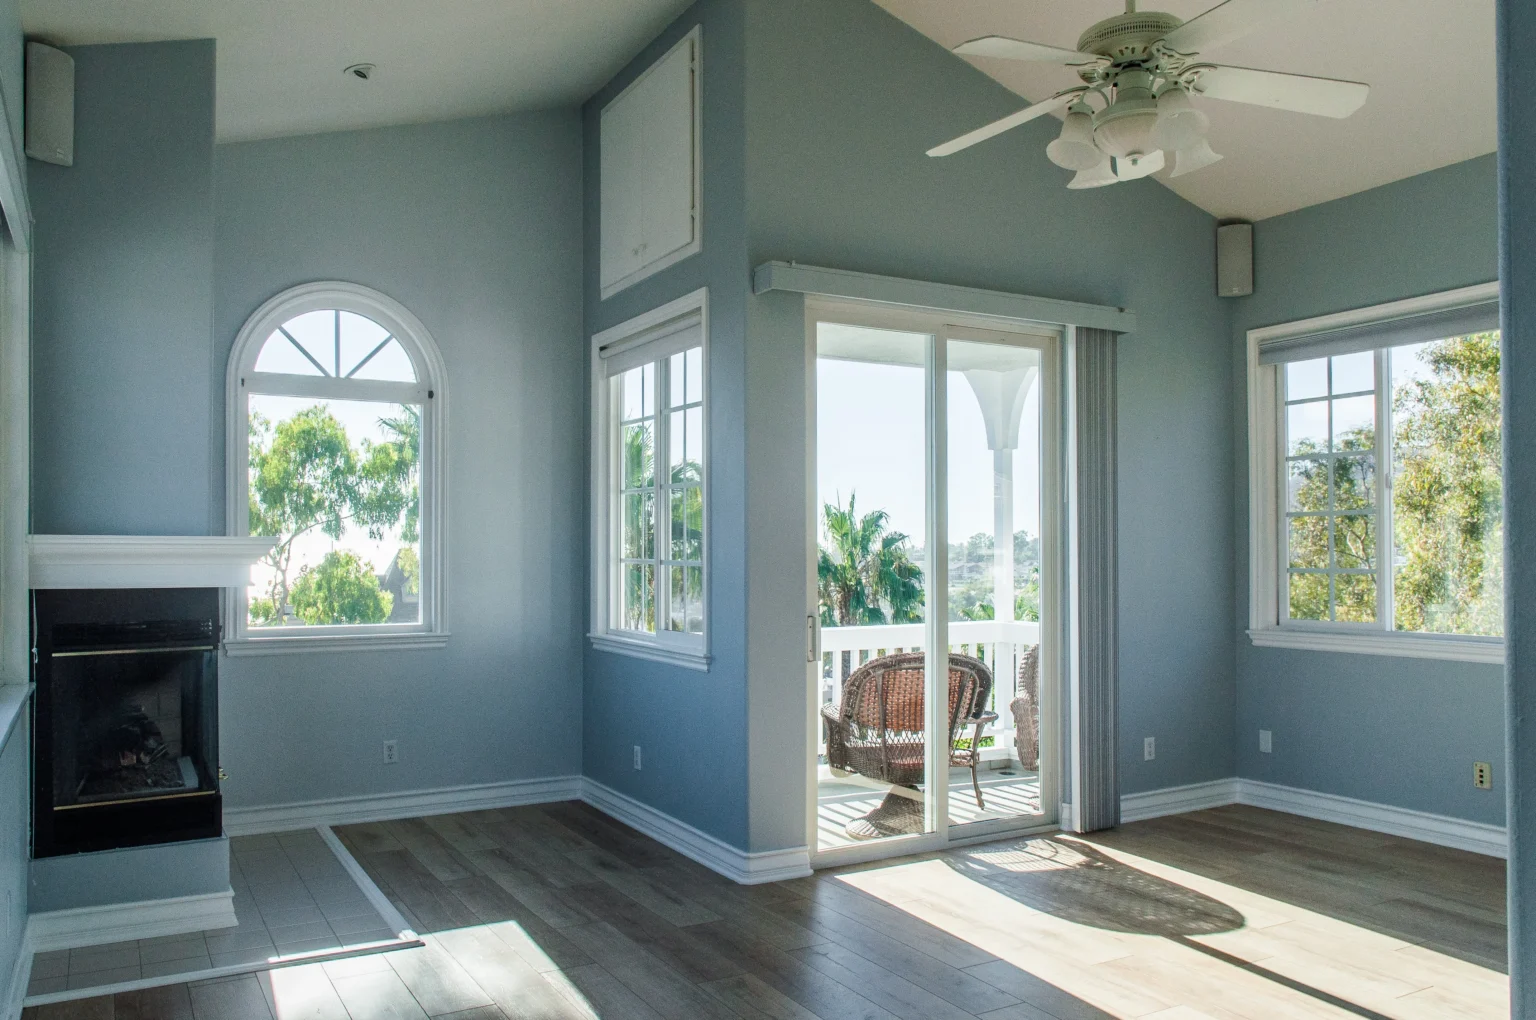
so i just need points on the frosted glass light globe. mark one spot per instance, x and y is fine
(1073, 149)
(1125, 129)
(1179, 125)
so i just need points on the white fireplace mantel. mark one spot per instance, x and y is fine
(142, 561)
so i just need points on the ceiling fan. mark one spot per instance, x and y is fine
(1139, 70)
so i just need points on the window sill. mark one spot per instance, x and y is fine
(1414, 646)
(654, 652)
(250, 646)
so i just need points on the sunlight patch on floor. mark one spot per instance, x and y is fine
(1277, 959)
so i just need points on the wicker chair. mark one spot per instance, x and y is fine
(1026, 710)
(878, 729)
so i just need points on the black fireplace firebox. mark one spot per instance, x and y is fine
(126, 725)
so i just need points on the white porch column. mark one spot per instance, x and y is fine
(1002, 396)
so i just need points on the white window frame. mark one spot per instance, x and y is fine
(1268, 626)
(430, 391)
(654, 327)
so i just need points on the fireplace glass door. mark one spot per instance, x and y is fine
(126, 718)
(125, 723)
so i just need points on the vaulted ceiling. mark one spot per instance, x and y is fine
(1430, 65)
(280, 62)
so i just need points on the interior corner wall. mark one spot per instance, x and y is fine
(123, 299)
(475, 226)
(843, 101)
(691, 725)
(15, 825)
(1390, 730)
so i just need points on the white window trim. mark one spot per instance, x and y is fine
(1266, 628)
(686, 650)
(432, 631)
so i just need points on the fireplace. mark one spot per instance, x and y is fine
(126, 725)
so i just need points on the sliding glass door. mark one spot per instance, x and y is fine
(935, 566)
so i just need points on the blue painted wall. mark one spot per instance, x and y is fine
(692, 725)
(198, 867)
(471, 225)
(15, 826)
(1395, 731)
(15, 751)
(842, 102)
(1517, 270)
(123, 299)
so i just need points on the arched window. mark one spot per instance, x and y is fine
(337, 418)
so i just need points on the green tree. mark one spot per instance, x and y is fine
(1448, 491)
(864, 573)
(305, 475)
(410, 565)
(342, 589)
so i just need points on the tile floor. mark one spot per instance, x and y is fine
(292, 895)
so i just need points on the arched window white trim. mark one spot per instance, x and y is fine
(308, 367)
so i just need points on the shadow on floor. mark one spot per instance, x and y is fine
(1077, 882)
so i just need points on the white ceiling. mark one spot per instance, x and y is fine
(1430, 65)
(280, 72)
(280, 61)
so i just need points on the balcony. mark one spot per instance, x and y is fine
(1007, 788)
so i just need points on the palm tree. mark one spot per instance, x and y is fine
(864, 574)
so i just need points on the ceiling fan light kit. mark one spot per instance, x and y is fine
(1074, 149)
(1140, 69)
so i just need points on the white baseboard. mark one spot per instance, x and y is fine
(715, 854)
(385, 806)
(1175, 800)
(119, 922)
(1478, 837)
(1442, 830)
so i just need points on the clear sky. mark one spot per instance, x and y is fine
(870, 441)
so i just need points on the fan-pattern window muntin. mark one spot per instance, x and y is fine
(336, 344)
(1367, 510)
(661, 576)
(333, 435)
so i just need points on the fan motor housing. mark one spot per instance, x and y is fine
(1128, 36)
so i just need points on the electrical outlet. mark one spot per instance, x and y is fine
(1149, 749)
(1482, 775)
(637, 757)
(391, 752)
(1266, 742)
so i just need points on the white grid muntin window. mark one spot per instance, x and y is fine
(325, 359)
(650, 486)
(1339, 516)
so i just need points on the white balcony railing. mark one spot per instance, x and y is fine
(997, 643)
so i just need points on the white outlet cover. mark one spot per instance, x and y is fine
(1149, 748)
(637, 757)
(1266, 742)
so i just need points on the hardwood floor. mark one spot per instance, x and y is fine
(557, 911)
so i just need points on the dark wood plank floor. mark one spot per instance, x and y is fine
(559, 912)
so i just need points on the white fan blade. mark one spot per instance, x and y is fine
(1017, 49)
(1230, 20)
(1009, 122)
(1325, 97)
